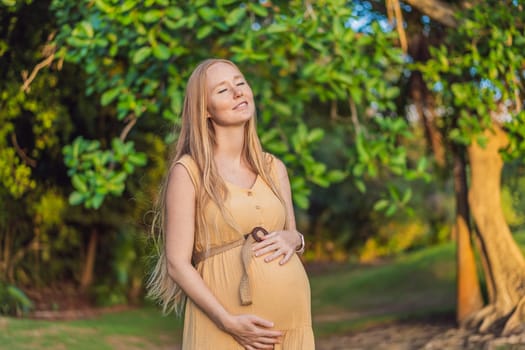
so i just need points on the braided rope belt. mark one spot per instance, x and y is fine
(246, 254)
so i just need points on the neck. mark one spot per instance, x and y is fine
(230, 143)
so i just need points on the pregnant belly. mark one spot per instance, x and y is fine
(281, 293)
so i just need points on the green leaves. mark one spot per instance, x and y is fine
(258, 9)
(79, 183)
(8, 2)
(138, 57)
(152, 16)
(162, 52)
(141, 54)
(476, 70)
(379, 151)
(235, 16)
(204, 31)
(14, 300)
(395, 202)
(207, 13)
(96, 173)
(109, 96)
(15, 176)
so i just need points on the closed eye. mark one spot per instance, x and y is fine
(241, 83)
(223, 90)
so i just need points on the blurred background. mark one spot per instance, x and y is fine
(400, 122)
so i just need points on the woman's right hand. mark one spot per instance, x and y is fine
(252, 332)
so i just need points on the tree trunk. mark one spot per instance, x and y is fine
(135, 290)
(505, 263)
(6, 254)
(423, 102)
(318, 238)
(468, 294)
(89, 264)
(468, 291)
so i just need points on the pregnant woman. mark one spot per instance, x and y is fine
(227, 242)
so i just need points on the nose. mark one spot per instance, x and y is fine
(237, 92)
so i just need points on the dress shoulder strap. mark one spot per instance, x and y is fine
(272, 160)
(191, 167)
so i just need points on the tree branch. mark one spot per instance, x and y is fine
(131, 119)
(333, 110)
(517, 97)
(48, 52)
(398, 19)
(353, 114)
(29, 161)
(39, 66)
(437, 10)
(310, 11)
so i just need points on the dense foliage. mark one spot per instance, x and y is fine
(478, 75)
(83, 141)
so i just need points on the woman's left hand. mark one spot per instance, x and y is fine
(278, 243)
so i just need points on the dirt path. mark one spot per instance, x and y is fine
(441, 335)
(397, 336)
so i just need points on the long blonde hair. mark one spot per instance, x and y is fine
(197, 139)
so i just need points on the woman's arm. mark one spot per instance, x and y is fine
(250, 331)
(286, 242)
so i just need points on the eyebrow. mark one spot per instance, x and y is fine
(224, 81)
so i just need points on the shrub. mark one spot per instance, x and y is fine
(393, 238)
(13, 301)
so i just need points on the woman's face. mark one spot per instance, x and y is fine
(230, 98)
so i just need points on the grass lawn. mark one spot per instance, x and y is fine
(414, 284)
(143, 328)
(350, 297)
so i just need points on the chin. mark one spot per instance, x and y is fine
(248, 116)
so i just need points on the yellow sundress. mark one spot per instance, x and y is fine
(280, 293)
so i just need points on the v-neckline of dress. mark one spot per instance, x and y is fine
(231, 184)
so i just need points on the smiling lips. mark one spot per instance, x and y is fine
(241, 105)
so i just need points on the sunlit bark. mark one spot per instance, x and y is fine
(89, 264)
(505, 262)
(468, 291)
